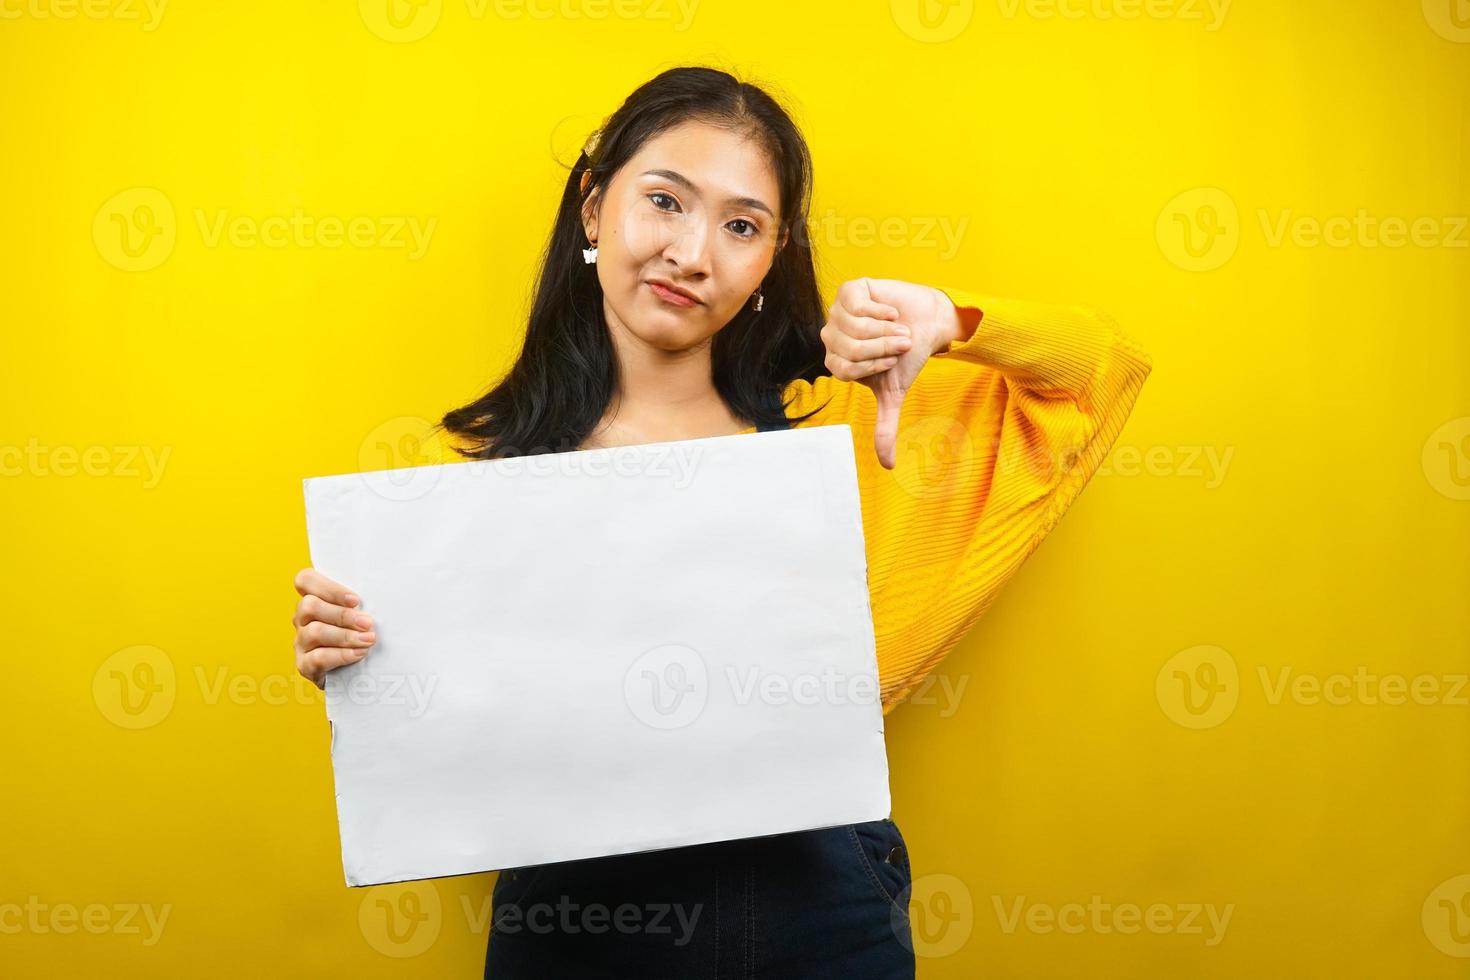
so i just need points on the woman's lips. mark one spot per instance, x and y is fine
(671, 297)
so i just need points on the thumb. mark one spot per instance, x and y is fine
(885, 434)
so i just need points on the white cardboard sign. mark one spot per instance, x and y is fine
(600, 652)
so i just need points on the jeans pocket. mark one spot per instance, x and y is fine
(883, 856)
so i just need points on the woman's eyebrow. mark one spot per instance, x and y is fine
(682, 181)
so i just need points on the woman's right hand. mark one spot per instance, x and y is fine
(330, 632)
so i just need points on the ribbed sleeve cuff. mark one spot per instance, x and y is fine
(1051, 348)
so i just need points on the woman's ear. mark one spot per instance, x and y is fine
(589, 218)
(589, 208)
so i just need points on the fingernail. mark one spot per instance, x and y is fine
(901, 329)
(365, 622)
(352, 599)
(904, 343)
(368, 638)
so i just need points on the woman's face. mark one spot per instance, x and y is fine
(695, 208)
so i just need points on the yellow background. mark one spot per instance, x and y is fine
(1290, 494)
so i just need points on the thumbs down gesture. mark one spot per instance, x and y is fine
(881, 332)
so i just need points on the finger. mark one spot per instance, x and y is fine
(854, 349)
(885, 433)
(309, 581)
(317, 634)
(857, 297)
(312, 608)
(324, 659)
(865, 327)
(303, 667)
(844, 370)
(873, 309)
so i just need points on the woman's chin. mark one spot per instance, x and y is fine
(672, 341)
(668, 334)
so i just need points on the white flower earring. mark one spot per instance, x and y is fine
(760, 300)
(589, 255)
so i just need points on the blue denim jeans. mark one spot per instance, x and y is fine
(813, 904)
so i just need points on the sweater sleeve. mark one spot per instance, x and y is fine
(999, 434)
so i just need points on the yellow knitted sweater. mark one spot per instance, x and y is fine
(999, 434)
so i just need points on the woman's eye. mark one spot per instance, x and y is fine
(667, 203)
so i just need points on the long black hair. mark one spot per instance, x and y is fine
(566, 373)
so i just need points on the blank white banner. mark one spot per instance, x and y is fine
(599, 652)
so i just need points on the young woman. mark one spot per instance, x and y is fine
(677, 300)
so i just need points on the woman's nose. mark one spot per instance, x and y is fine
(689, 249)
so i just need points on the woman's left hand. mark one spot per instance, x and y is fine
(881, 332)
